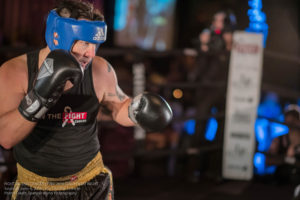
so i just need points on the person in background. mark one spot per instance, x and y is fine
(219, 36)
(287, 144)
(288, 147)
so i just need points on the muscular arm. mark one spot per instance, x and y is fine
(117, 102)
(13, 81)
(148, 110)
(112, 98)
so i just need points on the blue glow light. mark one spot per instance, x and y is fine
(255, 4)
(259, 162)
(270, 169)
(278, 129)
(298, 102)
(157, 6)
(262, 134)
(257, 19)
(189, 127)
(281, 117)
(211, 129)
(213, 110)
(266, 131)
(270, 107)
(256, 15)
(211, 126)
(257, 27)
(121, 11)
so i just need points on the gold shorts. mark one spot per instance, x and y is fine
(91, 170)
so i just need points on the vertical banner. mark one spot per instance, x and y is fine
(139, 82)
(243, 94)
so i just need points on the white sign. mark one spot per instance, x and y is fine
(243, 94)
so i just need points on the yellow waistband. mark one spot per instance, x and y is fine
(92, 169)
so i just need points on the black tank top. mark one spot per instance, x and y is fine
(66, 139)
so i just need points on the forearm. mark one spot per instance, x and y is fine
(13, 128)
(149, 111)
(121, 116)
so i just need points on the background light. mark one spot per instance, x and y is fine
(259, 162)
(189, 127)
(257, 19)
(177, 93)
(211, 129)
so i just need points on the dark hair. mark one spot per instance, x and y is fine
(78, 9)
(292, 110)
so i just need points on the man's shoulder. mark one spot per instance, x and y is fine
(15, 65)
(101, 65)
(14, 73)
(99, 62)
(103, 76)
(103, 72)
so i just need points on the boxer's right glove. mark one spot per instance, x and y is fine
(150, 111)
(58, 67)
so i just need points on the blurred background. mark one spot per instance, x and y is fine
(181, 50)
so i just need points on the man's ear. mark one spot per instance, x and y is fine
(64, 12)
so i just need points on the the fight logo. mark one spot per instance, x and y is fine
(73, 118)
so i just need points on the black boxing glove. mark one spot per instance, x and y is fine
(150, 111)
(58, 67)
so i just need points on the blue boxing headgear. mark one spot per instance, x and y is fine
(61, 32)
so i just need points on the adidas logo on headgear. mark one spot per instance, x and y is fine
(99, 35)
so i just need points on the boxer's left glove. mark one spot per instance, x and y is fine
(58, 67)
(150, 111)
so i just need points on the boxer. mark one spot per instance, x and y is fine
(50, 99)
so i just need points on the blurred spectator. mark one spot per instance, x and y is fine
(288, 147)
(213, 60)
(185, 68)
(212, 65)
(168, 139)
(191, 69)
(287, 144)
(219, 36)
